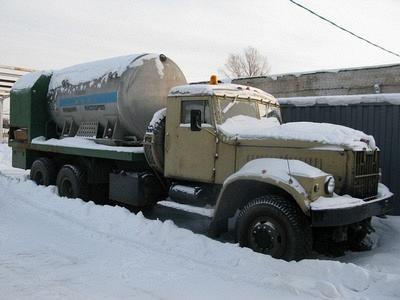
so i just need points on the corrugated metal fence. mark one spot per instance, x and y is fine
(379, 117)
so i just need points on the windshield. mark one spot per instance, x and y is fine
(234, 107)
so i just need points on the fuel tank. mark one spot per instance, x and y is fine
(112, 98)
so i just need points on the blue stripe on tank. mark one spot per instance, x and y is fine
(91, 99)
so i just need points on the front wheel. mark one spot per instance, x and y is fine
(274, 225)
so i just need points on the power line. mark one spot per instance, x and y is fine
(344, 29)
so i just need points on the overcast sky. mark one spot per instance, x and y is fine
(198, 35)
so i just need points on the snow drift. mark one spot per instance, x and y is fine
(54, 247)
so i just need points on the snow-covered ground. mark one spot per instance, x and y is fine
(52, 247)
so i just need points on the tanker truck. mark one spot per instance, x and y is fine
(131, 130)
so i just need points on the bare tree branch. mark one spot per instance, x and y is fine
(249, 63)
(235, 64)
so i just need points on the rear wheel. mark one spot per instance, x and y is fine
(275, 226)
(71, 182)
(43, 171)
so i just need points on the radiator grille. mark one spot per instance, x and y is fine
(366, 174)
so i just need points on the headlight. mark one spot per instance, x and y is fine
(329, 185)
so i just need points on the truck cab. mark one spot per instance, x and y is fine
(281, 188)
(194, 147)
(281, 182)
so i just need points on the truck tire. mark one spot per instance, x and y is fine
(71, 182)
(274, 225)
(357, 236)
(154, 145)
(43, 171)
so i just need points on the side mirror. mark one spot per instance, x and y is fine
(195, 120)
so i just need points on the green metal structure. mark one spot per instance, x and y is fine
(28, 112)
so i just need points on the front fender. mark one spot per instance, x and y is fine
(260, 177)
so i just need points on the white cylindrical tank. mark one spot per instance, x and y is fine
(119, 94)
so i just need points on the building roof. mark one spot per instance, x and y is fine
(8, 76)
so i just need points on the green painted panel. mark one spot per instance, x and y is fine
(22, 158)
(20, 113)
(19, 159)
(28, 108)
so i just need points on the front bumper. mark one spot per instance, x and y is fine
(348, 210)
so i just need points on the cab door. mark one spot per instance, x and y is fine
(189, 154)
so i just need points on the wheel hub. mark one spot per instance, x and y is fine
(66, 188)
(38, 178)
(265, 236)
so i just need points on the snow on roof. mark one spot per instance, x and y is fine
(342, 100)
(80, 142)
(97, 69)
(245, 128)
(28, 80)
(232, 90)
(311, 72)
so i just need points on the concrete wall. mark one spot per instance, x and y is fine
(368, 80)
(4, 118)
(6, 108)
(1, 120)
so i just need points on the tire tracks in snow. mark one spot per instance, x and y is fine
(211, 261)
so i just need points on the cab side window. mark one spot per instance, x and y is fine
(202, 105)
